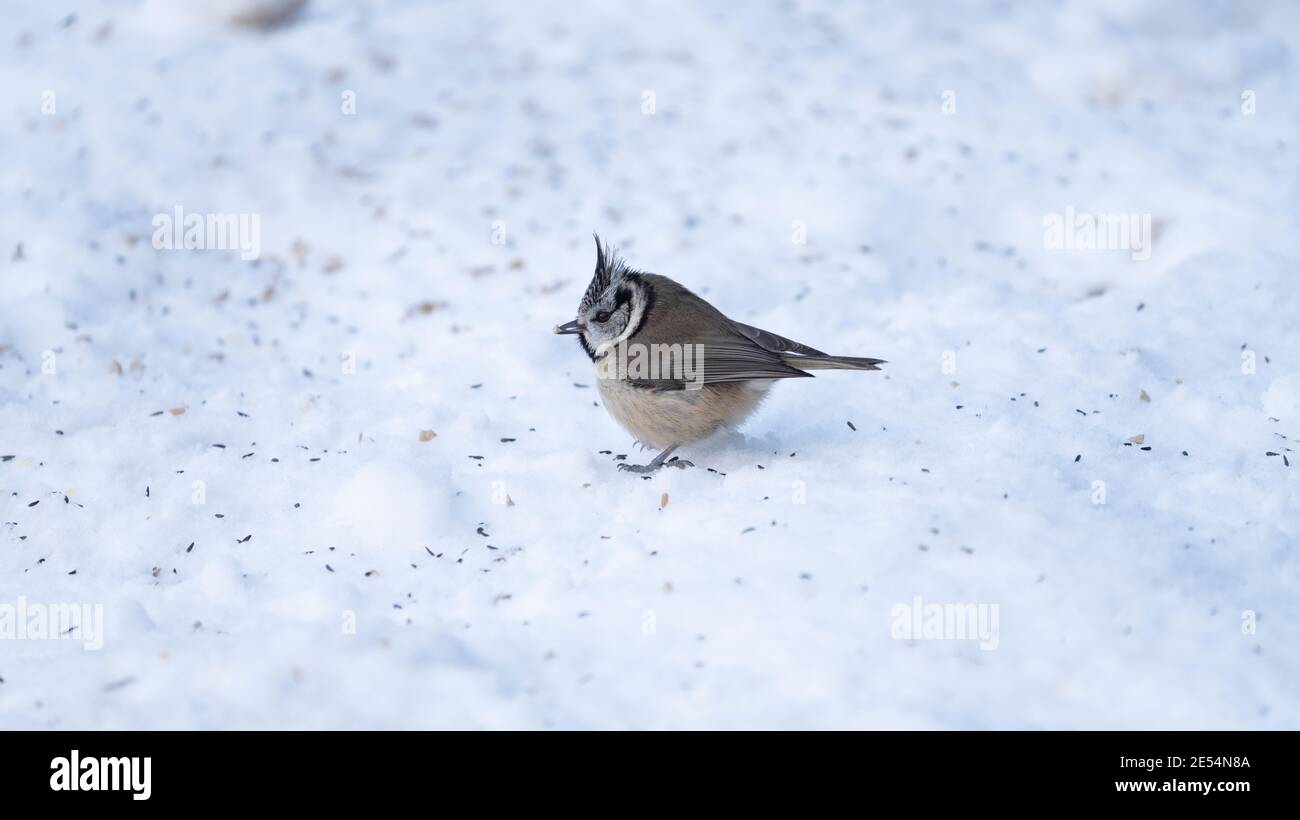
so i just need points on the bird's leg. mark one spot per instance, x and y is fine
(657, 462)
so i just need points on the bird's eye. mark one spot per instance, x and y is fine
(602, 317)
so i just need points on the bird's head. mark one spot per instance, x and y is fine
(616, 304)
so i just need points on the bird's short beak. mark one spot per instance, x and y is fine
(568, 328)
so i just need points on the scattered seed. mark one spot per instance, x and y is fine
(851, 427)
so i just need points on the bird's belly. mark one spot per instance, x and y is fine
(661, 418)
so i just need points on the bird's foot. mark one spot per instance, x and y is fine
(646, 469)
(658, 461)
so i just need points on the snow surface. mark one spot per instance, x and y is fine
(536, 586)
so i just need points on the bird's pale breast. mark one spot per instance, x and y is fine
(661, 418)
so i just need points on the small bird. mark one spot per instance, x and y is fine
(671, 368)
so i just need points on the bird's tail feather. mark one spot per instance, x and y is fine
(832, 362)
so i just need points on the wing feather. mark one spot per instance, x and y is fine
(737, 359)
(768, 340)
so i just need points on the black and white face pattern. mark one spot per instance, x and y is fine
(614, 306)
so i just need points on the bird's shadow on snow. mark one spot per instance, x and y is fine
(731, 449)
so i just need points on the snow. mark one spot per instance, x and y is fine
(394, 582)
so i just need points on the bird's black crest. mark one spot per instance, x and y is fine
(609, 267)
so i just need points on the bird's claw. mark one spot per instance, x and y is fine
(643, 469)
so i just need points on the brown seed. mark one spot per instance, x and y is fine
(1142, 396)
(177, 411)
(427, 435)
(663, 501)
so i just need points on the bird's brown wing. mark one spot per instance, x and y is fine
(739, 360)
(713, 348)
(768, 340)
